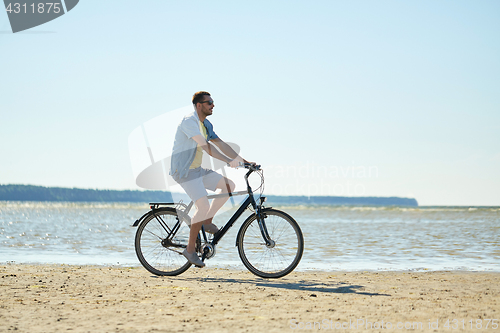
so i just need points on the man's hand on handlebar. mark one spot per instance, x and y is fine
(238, 161)
(251, 165)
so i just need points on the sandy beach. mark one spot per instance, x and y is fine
(54, 298)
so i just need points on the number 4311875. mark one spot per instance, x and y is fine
(472, 324)
(40, 8)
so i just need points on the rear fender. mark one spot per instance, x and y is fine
(138, 221)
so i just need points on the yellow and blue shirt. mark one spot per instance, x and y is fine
(199, 151)
(185, 148)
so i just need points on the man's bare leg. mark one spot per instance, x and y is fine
(205, 211)
(199, 218)
(226, 186)
(204, 215)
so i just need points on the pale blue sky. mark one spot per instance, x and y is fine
(406, 89)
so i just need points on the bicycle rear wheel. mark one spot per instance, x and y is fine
(159, 242)
(275, 260)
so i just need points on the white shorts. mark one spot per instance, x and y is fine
(198, 181)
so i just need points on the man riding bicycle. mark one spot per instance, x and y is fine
(195, 135)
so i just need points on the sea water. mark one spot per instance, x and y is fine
(336, 237)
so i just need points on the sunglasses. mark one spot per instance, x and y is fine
(209, 102)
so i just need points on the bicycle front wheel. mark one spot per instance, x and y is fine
(278, 258)
(159, 242)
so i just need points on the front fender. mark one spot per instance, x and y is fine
(248, 218)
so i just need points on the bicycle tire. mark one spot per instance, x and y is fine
(276, 261)
(157, 258)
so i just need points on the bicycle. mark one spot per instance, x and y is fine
(270, 242)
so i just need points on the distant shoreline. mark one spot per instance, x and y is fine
(60, 194)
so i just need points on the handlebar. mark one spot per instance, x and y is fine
(253, 167)
(250, 166)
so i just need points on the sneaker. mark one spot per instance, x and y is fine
(211, 228)
(193, 258)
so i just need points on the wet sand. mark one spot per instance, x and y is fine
(55, 298)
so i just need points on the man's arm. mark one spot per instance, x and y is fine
(227, 150)
(212, 151)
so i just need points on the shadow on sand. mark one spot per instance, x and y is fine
(311, 286)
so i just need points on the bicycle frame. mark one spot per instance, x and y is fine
(250, 200)
(164, 232)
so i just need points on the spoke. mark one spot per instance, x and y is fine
(154, 234)
(276, 259)
(154, 256)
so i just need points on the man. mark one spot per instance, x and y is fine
(194, 136)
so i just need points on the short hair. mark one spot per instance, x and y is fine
(198, 96)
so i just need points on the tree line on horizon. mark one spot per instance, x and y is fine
(41, 193)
